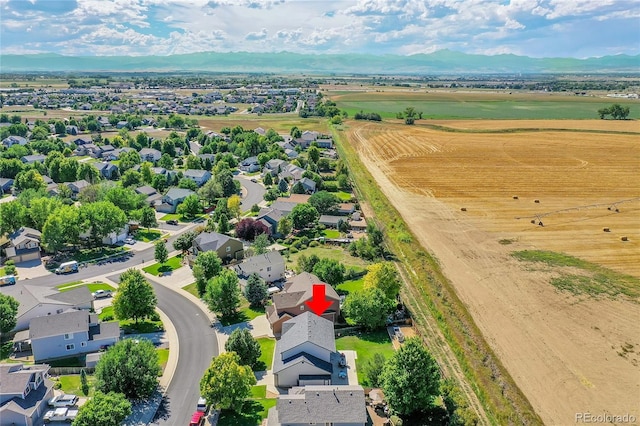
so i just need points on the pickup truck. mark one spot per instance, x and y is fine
(63, 401)
(60, 415)
(100, 294)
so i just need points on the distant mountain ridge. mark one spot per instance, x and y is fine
(439, 62)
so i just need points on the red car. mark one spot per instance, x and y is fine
(197, 419)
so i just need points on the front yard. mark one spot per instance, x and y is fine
(91, 286)
(268, 346)
(130, 326)
(253, 412)
(245, 314)
(161, 269)
(147, 236)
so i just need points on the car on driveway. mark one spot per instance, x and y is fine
(61, 414)
(101, 294)
(63, 401)
(130, 240)
(172, 222)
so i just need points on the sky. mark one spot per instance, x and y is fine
(536, 28)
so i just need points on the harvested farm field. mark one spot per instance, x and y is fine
(565, 326)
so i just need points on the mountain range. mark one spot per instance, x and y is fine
(439, 62)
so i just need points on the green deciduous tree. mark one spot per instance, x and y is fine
(13, 215)
(372, 369)
(256, 291)
(260, 244)
(148, 217)
(40, 209)
(206, 266)
(411, 378)
(324, 201)
(131, 178)
(129, 367)
(368, 308)
(383, 276)
(285, 225)
(187, 183)
(8, 313)
(103, 218)
(455, 402)
(226, 384)
(223, 293)
(29, 179)
(330, 271)
(161, 253)
(304, 215)
(104, 409)
(61, 228)
(185, 241)
(245, 346)
(190, 207)
(135, 298)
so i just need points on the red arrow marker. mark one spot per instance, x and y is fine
(319, 303)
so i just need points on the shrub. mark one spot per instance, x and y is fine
(314, 244)
(293, 250)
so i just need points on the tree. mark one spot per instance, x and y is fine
(131, 178)
(187, 183)
(256, 291)
(411, 378)
(104, 409)
(233, 205)
(223, 224)
(135, 297)
(248, 229)
(29, 179)
(324, 201)
(210, 191)
(226, 384)
(166, 161)
(103, 218)
(368, 308)
(40, 209)
(147, 173)
(61, 228)
(129, 367)
(148, 217)
(159, 182)
(206, 266)
(372, 369)
(285, 225)
(617, 112)
(306, 264)
(260, 244)
(8, 313)
(383, 276)
(314, 154)
(298, 188)
(409, 115)
(161, 253)
(283, 186)
(460, 414)
(304, 215)
(12, 216)
(330, 271)
(268, 179)
(245, 346)
(184, 242)
(83, 382)
(190, 206)
(223, 293)
(125, 198)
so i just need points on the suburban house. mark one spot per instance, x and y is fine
(198, 176)
(271, 218)
(345, 209)
(77, 186)
(322, 405)
(24, 245)
(70, 333)
(152, 195)
(82, 140)
(115, 153)
(38, 301)
(306, 354)
(5, 186)
(24, 393)
(204, 157)
(291, 171)
(35, 158)
(324, 143)
(270, 266)
(172, 198)
(309, 185)
(249, 165)
(274, 166)
(150, 154)
(107, 170)
(330, 221)
(291, 301)
(227, 248)
(14, 140)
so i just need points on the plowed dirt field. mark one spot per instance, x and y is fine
(564, 351)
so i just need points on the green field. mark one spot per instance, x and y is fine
(479, 105)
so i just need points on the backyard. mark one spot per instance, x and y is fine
(366, 344)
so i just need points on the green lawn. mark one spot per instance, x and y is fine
(71, 384)
(365, 345)
(180, 218)
(332, 253)
(259, 391)
(331, 233)
(267, 345)
(192, 288)
(163, 357)
(92, 286)
(147, 236)
(344, 196)
(350, 286)
(253, 412)
(244, 314)
(172, 264)
(129, 326)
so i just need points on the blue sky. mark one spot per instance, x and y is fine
(537, 28)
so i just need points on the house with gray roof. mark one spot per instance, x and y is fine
(36, 301)
(198, 176)
(249, 164)
(150, 154)
(5, 186)
(318, 404)
(70, 333)
(107, 170)
(77, 186)
(306, 353)
(274, 166)
(291, 302)
(227, 248)
(23, 245)
(172, 199)
(13, 140)
(309, 185)
(24, 393)
(35, 158)
(269, 266)
(152, 195)
(330, 221)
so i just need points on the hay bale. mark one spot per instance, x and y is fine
(536, 201)
(624, 238)
(606, 229)
(515, 197)
(464, 209)
(533, 221)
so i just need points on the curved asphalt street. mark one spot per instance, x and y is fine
(254, 192)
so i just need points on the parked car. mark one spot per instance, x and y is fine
(202, 405)
(101, 294)
(8, 280)
(254, 180)
(67, 267)
(63, 401)
(172, 222)
(61, 414)
(197, 419)
(130, 240)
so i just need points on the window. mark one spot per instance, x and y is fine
(268, 268)
(83, 344)
(68, 336)
(228, 249)
(59, 311)
(71, 347)
(302, 307)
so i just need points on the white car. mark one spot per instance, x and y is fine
(130, 240)
(63, 401)
(61, 414)
(101, 294)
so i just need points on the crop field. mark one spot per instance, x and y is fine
(477, 105)
(565, 326)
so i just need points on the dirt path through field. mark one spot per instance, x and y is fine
(564, 352)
